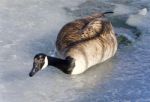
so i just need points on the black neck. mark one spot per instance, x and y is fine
(65, 65)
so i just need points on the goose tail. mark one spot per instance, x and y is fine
(107, 12)
(98, 14)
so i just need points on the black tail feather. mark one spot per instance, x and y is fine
(108, 12)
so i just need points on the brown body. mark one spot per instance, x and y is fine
(89, 41)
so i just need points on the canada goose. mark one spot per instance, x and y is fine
(81, 44)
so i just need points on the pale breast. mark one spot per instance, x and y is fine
(92, 52)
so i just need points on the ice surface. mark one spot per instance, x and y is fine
(139, 20)
(123, 9)
(28, 27)
(143, 12)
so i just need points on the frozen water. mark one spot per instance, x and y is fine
(28, 27)
(143, 11)
(123, 9)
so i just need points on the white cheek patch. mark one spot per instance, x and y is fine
(46, 63)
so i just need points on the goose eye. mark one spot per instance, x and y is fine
(36, 69)
(41, 61)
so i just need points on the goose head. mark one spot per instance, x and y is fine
(40, 62)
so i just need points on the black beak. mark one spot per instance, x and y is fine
(33, 71)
